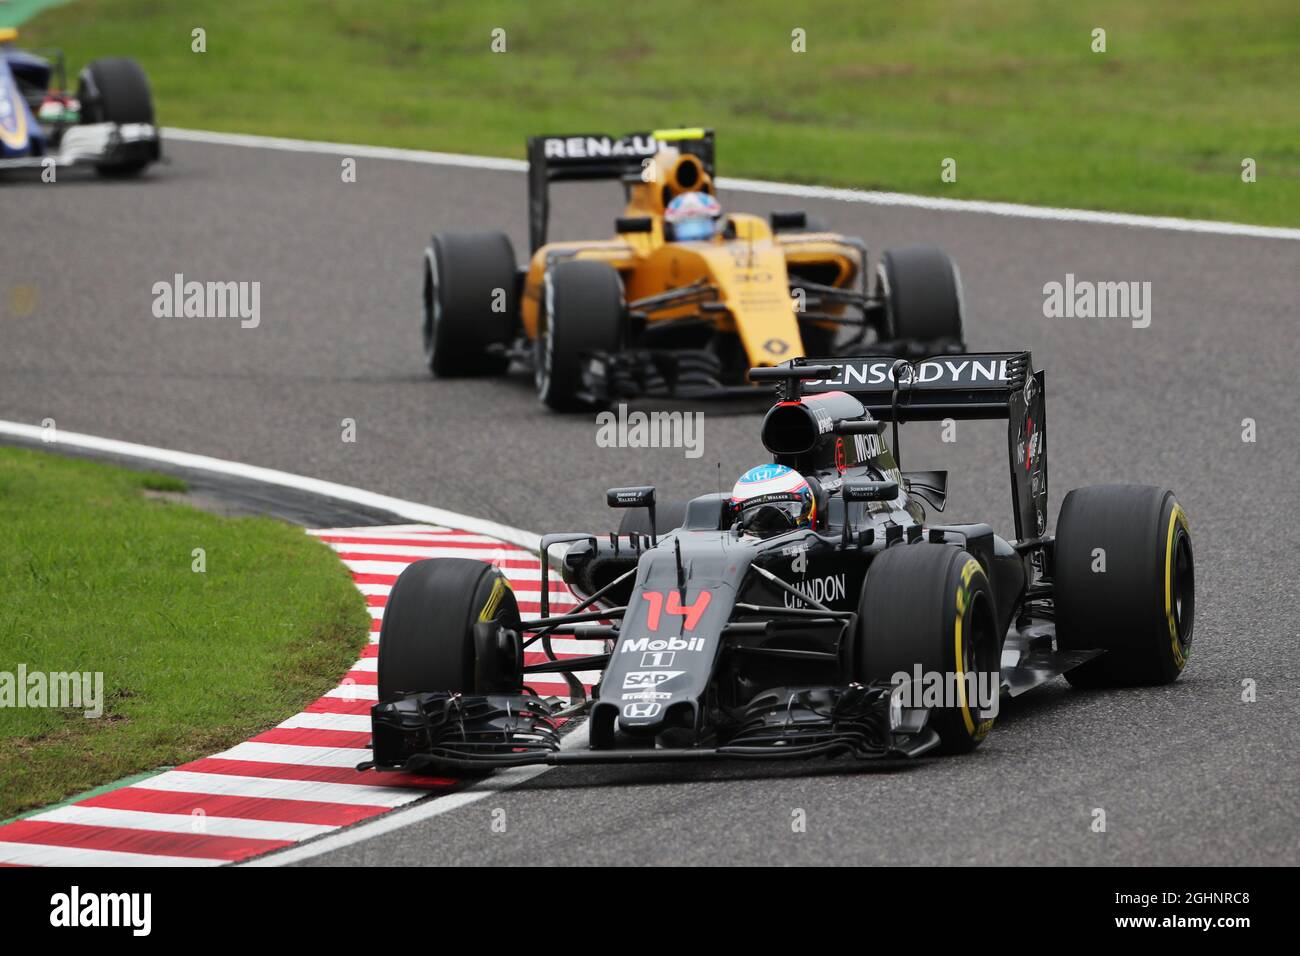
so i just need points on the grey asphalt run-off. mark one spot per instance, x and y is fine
(1186, 774)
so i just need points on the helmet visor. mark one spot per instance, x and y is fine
(773, 514)
(687, 230)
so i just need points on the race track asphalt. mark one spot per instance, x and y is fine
(1186, 774)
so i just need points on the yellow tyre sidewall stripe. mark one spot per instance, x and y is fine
(969, 570)
(1176, 517)
(499, 587)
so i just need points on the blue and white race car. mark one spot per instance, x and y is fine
(108, 124)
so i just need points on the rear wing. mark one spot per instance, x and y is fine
(595, 156)
(973, 386)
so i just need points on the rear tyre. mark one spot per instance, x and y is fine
(583, 312)
(930, 605)
(427, 639)
(1124, 582)
(922, 291)
(470, 303)
(669, 516)
(116, 90)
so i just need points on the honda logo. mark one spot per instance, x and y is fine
(640, 711)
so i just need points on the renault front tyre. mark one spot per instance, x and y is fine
(583, 316)
(921, 289)
(1125, 583)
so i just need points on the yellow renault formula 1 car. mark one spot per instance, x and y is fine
(684, 299)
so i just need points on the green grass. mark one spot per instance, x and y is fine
(97, 576)
(1009, 88)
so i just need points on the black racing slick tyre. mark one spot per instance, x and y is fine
(583, 312)
(427, 639)
(669, 516)
(922, 291)
(116, 90)
(930, 606)
(1124, 582)
(818, 342)
(470, 301)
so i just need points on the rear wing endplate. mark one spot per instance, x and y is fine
(973, 386)
(596, 156)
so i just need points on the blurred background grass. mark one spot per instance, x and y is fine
(1011, 89)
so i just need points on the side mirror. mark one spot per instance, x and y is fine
(626, 224)
(860, 489)
(847, 426)
(639, 496)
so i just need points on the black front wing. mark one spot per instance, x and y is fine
(429, 732)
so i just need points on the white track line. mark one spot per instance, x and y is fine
(1016, 210)
(188, 782)
(233, 785)
(344, 758)
(310, 720)
(186, 823)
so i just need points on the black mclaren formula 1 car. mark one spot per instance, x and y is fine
(872, 631)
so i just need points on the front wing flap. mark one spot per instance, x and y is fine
(97, 143)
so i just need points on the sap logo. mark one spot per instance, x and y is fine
(658, 659)
(642, 644)
(821, 590)
(641, 711)
(634, 680)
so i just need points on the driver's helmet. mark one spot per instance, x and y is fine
(772, 499)
(693, 216)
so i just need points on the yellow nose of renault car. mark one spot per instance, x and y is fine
(686, 296)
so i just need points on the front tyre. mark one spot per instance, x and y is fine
(1125, 583)
(583, 313)
(922, 291)
(470, 305)
(427, 642)
(930, 606)
(116, 90)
